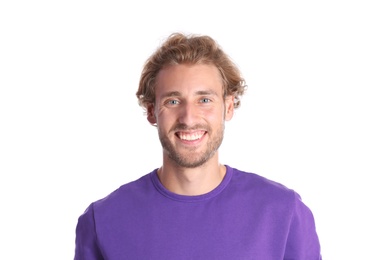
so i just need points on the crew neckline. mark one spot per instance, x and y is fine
(188, 198)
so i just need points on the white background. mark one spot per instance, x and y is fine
(315, 117)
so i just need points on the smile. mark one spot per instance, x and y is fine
(190, 136)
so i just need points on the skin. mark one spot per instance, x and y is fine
(190, 113)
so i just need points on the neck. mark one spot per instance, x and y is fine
(191, 181)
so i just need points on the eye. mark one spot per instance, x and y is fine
(205, 100)
(172, 102)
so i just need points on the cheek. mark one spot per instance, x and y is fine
(214, 115)
(164, 118)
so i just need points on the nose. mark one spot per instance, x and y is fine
(188, 114)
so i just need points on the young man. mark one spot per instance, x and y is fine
(193, 207)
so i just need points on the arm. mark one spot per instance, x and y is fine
(87, 247)
(302, 241)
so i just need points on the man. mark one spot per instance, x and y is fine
(193, 207)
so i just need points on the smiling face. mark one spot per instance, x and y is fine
(190, 112)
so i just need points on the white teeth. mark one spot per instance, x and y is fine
(190, 137)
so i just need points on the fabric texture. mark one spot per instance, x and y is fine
(246, 217)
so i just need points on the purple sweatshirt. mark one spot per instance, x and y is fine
(246, 217)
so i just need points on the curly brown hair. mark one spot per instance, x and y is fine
(190, 49)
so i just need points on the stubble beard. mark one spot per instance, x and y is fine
(190, 158)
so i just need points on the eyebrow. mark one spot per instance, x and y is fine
(171, 94)
(206, 93)
(199, 93)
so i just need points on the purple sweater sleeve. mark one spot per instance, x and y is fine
(86, 240)
(302, 241)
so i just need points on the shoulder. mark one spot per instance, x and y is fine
(262, 188)
(267, 193)
(125, 195)
(257, 181)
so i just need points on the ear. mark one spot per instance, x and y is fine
(229, 107)
(150, 114)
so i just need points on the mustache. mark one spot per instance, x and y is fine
(185, 127)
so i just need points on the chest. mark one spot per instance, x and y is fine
(212, 230)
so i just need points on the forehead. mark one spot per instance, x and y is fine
(184, 78)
